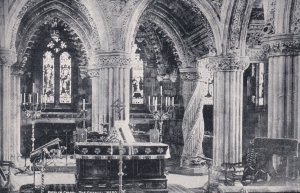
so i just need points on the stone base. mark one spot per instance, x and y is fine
(191, 171)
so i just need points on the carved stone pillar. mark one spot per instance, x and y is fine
(228, 108)
(110, 89)
(6, 142)
(284, 82)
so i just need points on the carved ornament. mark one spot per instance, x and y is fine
(256, 55)
(236, 23)
(189, 74)
(222, 63)
(113, 61)
(93, 72)
(6, 57)
(269, 27)
(295, 19)
(83, 72)
(283, 44)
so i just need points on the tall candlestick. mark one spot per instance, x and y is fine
(83, 104)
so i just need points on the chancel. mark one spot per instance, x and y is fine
(149, 95)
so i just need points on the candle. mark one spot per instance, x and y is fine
(166, 101)
(37, 98)
(152, 89)
(173, 101)
(33, 90)
(24, 98)
(160, 90)
(29, 98)
(149, 100)
(83, 104)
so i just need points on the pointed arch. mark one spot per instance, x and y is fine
(76, 14)
(203, 6)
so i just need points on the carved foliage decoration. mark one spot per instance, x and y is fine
(112, 61)
(189, 76)
(227, 63)
(295, 17)
(282, 47)
(269, 27)
(236, 26)
(256, 54)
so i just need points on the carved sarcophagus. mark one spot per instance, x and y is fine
(142, 168)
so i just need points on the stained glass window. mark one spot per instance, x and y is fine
(48, 76)
(65, 78)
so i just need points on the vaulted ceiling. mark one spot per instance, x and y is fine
(193, 34)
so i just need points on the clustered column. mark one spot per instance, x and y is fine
(110, 87)
(228, 109)
(283, 85)
(5, 108)
(15, 123)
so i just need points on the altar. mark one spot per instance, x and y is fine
(98, 166)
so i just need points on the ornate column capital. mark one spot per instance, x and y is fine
(189, 74)
(7, 57)
(256, 55)
(111, 60)
(281, 44)
(225, 63)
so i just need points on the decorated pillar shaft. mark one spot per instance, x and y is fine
(283, 85)
(228, 108)
(110, 90)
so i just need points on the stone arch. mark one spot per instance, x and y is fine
(76, 14)
(245, 28)
(171, 32)
(235, 14)
(203, 6)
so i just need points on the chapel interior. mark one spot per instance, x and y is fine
(205, 88)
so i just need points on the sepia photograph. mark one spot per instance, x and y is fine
(149, 96)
